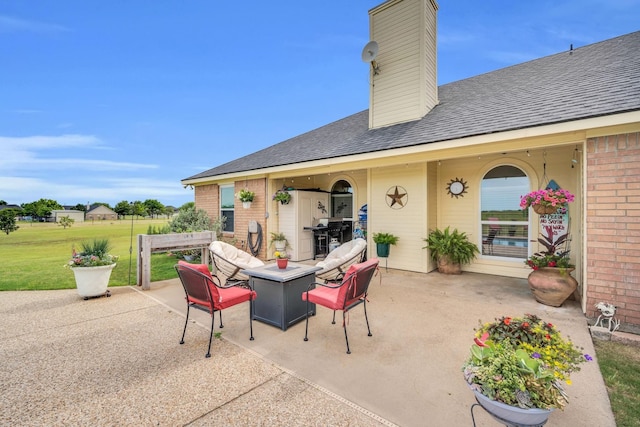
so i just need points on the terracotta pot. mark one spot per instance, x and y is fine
(282, 263)
(445, 266)
(552, 285)
(544, 210)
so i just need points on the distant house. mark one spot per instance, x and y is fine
(100, 213)
(76, 215)
(16, 207)
(461, 154)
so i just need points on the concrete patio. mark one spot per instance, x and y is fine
(117, 361)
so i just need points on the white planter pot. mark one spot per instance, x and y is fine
(280, 245)
(92, 281)
(246, 205)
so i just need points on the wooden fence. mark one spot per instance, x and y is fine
(149, 243)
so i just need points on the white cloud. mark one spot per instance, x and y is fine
(40, 153)
(12, 24)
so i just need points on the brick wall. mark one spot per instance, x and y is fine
(613, 226)
(207, 197)
(255, 213)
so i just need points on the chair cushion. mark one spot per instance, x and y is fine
(234, 255)
(334, 298)
(342, 254)
(232, 296)
(222, 297)
(202, 268)
(326, 297)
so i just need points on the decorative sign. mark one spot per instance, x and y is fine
(397, 197)
(559, 223)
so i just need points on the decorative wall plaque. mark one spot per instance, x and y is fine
(397, 197)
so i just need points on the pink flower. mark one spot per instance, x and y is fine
(481, 341)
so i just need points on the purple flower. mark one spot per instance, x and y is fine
(536, 355)
(587, 357)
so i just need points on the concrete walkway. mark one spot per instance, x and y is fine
(117, 361)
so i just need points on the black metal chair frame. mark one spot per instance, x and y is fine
(363, 277)
(493, 232)
(205, 283)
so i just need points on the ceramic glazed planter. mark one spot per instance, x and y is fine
(512, 414)
(382, 249)
(93, 281)
(282, 263)
(552, 285)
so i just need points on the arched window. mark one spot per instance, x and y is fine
(505, 227)
(342, 200)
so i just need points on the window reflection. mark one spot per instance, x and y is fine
(505, 227)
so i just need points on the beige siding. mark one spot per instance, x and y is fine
(432, 204)
(405, 88)
(463, 213)
(408, 223)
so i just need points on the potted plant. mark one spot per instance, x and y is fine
(450, 250)
(92, 267)
(282, 196)
(550, 281)
(546, 201)
(246, 197)
(517, 366)
(279, 241)
(383, 243)
(282, 259)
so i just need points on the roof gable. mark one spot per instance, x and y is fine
(101, 210)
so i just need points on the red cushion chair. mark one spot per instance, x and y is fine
(349, 293)
(204, 291)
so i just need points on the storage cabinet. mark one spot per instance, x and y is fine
(304, 209)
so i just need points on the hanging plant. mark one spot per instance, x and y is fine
(246, 196)
(282, 196)
(547, 201)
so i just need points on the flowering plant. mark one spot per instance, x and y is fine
(245, 195)
(282, 196)
(555, 254)
(547, 198)
(93, 254)
(281, 255)
(521, 361)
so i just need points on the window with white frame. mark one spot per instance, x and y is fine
(505, 227)
(227, 200)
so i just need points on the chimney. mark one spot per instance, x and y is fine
(404, 85)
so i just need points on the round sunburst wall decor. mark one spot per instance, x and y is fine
(457, 187)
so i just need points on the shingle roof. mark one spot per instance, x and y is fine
(591, 81)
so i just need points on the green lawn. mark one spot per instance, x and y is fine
(620, 367)
(33, 257)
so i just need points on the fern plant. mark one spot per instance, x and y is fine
(453, 245)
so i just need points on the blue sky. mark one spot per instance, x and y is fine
(103, 101)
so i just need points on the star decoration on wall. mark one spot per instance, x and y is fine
(397, 197)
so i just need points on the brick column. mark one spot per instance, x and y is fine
(613, 226)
